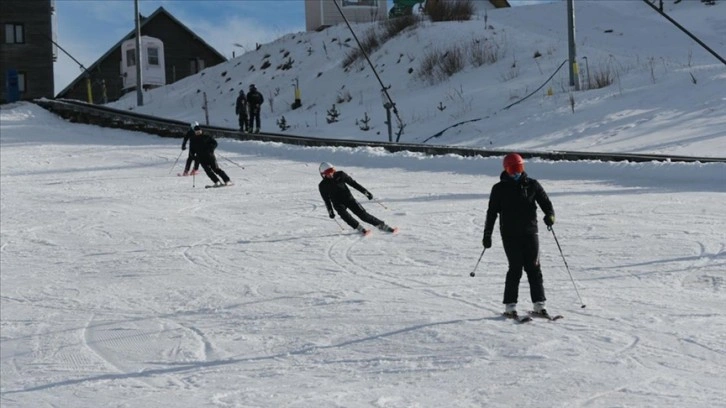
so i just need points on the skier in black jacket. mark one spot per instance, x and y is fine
(336, 195)
(240, 108)
(190, 157)
(514, 199)
(254, 105)
(202, 147)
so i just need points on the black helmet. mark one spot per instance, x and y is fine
(252, 87)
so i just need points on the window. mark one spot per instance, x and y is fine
(153, 55)
(14, 33)
(196, 65)
(131, 57)
(366, 3)
(21, 82)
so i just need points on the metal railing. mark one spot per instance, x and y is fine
(82, 112)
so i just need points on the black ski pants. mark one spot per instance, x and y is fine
(523, 253)
(209, 164)
(191, 159)
(254, 117)
(243, 121)
(357, 209)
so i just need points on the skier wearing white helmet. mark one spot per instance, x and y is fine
(190, 158)
(202, 147)
(336, 195)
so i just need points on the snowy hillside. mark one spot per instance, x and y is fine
(659, 78)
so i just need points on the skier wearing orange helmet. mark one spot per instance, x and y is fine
(515, 199)
(336, 195)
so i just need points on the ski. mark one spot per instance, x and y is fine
(390, 230)
(218, 186)
(366, 232)
(517, 318)
(545, 316)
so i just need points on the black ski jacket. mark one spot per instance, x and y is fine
(241, 105)
(255, 99)
(189, 135)
(516, 202)
(335, 190)
(202, 146)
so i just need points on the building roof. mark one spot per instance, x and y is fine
(132, 34)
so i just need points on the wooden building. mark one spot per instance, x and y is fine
(185, 54)
(27, 52)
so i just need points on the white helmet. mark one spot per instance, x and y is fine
(326, 169)
(195, 125)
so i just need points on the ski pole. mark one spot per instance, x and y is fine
(381, 204)
(566, 266)
(473, 273)
(241, 167)
(194, 179)
(175, 161)
(341, 227)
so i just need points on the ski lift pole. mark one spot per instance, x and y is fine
(384, 89)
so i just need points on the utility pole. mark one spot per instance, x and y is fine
(574, 74)
(139, 82)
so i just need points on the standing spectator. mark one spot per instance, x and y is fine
(254, 105)
(336, 195)
(515, 198)
(202, 147)
(240, 109)
(190, 157)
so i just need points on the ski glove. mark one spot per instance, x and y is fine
(487, 241)
(331, 214)
(369, 195)
(549, 220)
(184, 147)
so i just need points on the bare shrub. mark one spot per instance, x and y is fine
(450, 10)
(602, 76)
(512, 73)
(343, 96)
(482, 52)
(438, 65)
(394, 26)
(369, 43)
(452, 62)
(429, 64)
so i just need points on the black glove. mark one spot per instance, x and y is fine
(184, 147)
(549, 220)
(487, 240)
(331, 214)
(369, 195)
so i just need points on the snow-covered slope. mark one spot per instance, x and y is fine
(124, 286)
(659, 76)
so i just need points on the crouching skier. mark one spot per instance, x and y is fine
(202, 147)
(336, 195)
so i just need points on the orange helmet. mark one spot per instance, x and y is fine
(513, 163)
